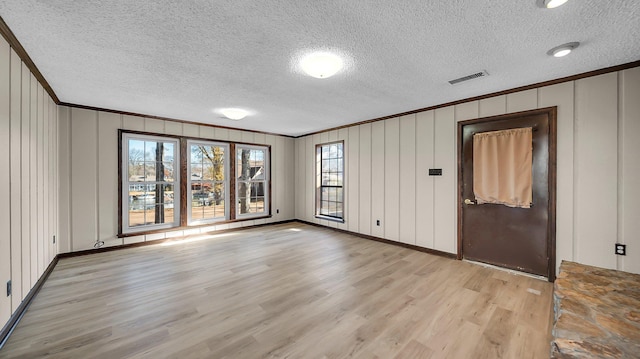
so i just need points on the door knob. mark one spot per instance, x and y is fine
(468, 201)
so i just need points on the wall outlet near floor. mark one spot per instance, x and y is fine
(277, 211)
(54, 239)
(8, 288)
(377, 222)
(621, 249)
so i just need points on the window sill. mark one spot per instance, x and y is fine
(188, 227)
(332, 219)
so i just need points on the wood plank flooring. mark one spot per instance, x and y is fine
(283, 291)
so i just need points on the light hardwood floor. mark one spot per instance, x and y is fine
(288, 290)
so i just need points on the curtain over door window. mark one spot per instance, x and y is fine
(502, 167)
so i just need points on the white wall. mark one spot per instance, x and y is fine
(598, 170)
(28, 180)
(89, 188)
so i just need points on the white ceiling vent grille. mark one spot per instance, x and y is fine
(469, 77)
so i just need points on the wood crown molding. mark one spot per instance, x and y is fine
(17, 47)
(15, 44)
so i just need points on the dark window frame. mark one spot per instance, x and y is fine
(182, 164)
(320, 211)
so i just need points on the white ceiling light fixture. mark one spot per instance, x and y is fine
(234, 113)
(551, 4)
(321, 65)
(563, 50)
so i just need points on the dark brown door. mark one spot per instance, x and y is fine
(517, 238)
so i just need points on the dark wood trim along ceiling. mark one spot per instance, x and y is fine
(17, 47)
(15, 44)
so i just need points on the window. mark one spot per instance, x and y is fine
(152, 191)
(329, 181)
(252, 187)
(171, 181)
(208, 188)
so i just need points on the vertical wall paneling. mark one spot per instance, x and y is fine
(40, 179)
(276, 175)
(107, 180)
(84, 195)
(33, 176)
(235, 135)
(629, 169)
(343, 135)
(190, 130)
(425, 184)
(392, 179)
(290, 188)
(301, 189)
(172, 127)
(310, 164)
(378, 178)
(25, 177)
(152, 125)
(46, 243)
(207, 132)
(364, 220)
(407, 172)
(132, 123)
(522, 101)
(5, 210)
(65, 239)
(15, 141)
(489, 107)
(221, 133)
(561, 95)
(352, 216)
(445, 188)
(596, 132)
(247, 137)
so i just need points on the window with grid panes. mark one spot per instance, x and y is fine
(208, 183)
(252, 180)
(330, 180)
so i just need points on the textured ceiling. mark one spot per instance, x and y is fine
(182, 59)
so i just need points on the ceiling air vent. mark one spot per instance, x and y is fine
(469, 77)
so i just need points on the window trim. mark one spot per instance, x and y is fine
(226, 181)
(267, 181)
(182, 168)
(318, 182)
(123, 183)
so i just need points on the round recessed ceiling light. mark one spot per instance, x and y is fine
(321, 65)
(234, 113)
(563, 50)
(551, 4)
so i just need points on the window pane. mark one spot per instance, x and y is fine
(150, 150)
(339, 197)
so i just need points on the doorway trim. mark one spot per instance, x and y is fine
(551, 112)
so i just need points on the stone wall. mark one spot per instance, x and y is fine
(597, 313)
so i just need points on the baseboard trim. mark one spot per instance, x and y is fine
(22, 308)
(159, 241)
(378, 239)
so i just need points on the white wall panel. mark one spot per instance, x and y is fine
(207, 132)
(173, 128)
(134, 123)
(290, 189)
(522, 101)
(25, 177)
(407, 174)
(152, 125)
(107, 160)
(352, 177)
(445, 188)
(425, 184)
(391, 222)
(629, 169)
(365, 158)
(40, 179)
(596, 147)
(377, 178)
(301, 188)
(64, 175)
(5, 189)
(16, 180)
(190, 130)
(561, 95)
(491, 106)
(84, 194)
(33, 175)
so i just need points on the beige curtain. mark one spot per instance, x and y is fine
(502, 167)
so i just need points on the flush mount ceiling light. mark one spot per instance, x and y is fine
(321, 65)
(563, 50)
(234, 113)
(551, 4)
